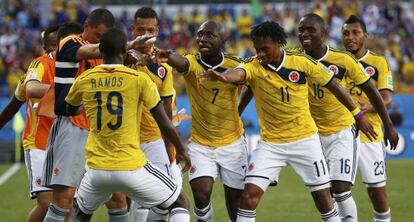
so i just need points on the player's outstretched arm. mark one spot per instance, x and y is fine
(177, 61)
(35, 89)
(390, 135)
(168, 130)
(8, 112)
(246, 96)
(343, 97)
(236, 75)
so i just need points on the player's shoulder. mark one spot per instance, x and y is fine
(192, 56)
(347, 55)
(72, 39)
(377, 57)
(233, 58)
(301, 56)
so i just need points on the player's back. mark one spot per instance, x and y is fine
(113, 96)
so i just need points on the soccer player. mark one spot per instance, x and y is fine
(334, 121)
(113, 96)
(217, 147)
(152, 144)
(279, 81)
(31, 89)
(371, 153)
(64, 166)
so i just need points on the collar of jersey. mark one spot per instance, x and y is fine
(365, 55)
(326, 53)
(281, 64)
(111, 65)
(210, 66)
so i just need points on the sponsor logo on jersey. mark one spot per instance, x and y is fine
(370, 71)
(161, 72)
(334, 69)
(326, 69)
(294, 76)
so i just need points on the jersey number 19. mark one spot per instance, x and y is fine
(117, 110)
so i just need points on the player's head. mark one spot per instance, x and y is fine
(49, 37)
(311, 31)
(354, 34)
(113, 43)
(145, 23)
(268, 39)
(97, 22)
(210, 38)
(68, 28)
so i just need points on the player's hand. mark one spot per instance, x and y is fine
(366, 107)
(391, 136)
(161, 55)
(142, 40)
(135, 57)
(364, 126)
(212, 75)
(183, 157)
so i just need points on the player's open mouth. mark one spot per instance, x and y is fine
(306, 42)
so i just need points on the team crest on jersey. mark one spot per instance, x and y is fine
(56, 171)
(294, 76)
(192, 169)
(334, 69)
(161, 72)
(370, 71)
(38, 181)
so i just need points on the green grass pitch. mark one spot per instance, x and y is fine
(289, 201)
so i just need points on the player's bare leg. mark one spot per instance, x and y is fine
(39, 211)
(325, 204)
(202, 188)
(179, 209)
(117, 208)
(233, 197)
(62, 202)
(341, 191)
(378, 196)
(248, 203)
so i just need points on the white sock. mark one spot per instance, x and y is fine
(157, 214)
(347, 208)
(138, 213)
(55, 214)
(331, 216)
(246, 215)
(206, 214)
(118, 215)
(382, 217)
(179, 215)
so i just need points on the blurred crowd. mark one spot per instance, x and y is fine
(389, 24)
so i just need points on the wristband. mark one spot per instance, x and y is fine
(359, 115)
(355, 111)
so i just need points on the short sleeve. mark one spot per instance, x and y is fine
(35, 72)
(20, 93)
(249, 69)
(74, 96)
(319, 73)
(355, 71)
(191, 64)
(385, 80)
(149, 92)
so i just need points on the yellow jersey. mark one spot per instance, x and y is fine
(215, 117)
(113, 97)
(162, 76)
(281, 95)
(329, 114)
(377, 68)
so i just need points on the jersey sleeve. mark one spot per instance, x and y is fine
(149, 92)
(192, 62)
(355, 71)
(20, 93)
(74, 96)
(67, 51)
(385, 80)
(35, 72)
(249, 68)
(319, 73)
(167, 87)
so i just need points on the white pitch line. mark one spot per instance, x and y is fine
(9, 173)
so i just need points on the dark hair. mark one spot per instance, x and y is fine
(145, 12)
(46, 33)
(356, 19)
(113, 42)
(69, 28)
(317, 18)
(269, 29)
(101, 16)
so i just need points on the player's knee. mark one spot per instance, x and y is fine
(182, 202)
(250, 197)
(338, 187)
